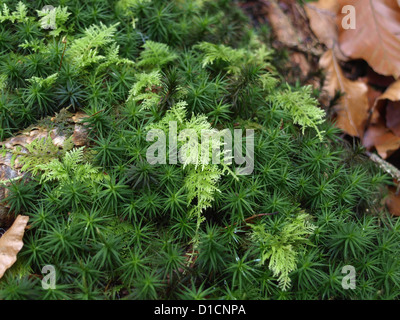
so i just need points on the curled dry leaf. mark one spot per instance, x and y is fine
(393, 202)
(79, 116)
(380, 104)
(352, 110)
(384, 131)
(11, 243)
(390, 97)
(376, 38)
(373, 95)
(393, 117)
(380, 137)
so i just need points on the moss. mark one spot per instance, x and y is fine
(115, 226)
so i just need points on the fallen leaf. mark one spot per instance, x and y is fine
(382, 138)
(376, 38)
(393, 202)
(384, 131)
(393, 117)
(373, 95)
(352, 109)
(392, 94)
(11, 243)
(378, 80)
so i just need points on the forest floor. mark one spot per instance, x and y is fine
(360, 95)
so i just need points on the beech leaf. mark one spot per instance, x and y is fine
(376, 38)
(352, 110)
(382, 138)
(393, 202)
(11, 243)
(384, 131)
(392, 93)
(390, 101)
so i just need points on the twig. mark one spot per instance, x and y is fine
(96, 113)
(64, 40)
(384, 165)
(260, 215)
(255, 216)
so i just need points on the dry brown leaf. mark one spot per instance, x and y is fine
(373, 95)
(380, 137)
(352, 110)
(393, 202)
(393, 117)
(376, 38)
(378, 80)
(11, 243)
(383, 132)
(392, 94)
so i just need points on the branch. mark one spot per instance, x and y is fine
(254, 217)
(384, 165)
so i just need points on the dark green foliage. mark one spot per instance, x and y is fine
(71, 95)
(116, 227)
(8, 114)
(350, 240)
(13, 68)
(195, 292)
(213, 250)
(6, 39)
(39, 97)
(21, 196)
(108, 152)
(16, 288)
(114, 192)
(38, 65)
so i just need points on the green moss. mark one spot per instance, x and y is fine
(115, 226)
